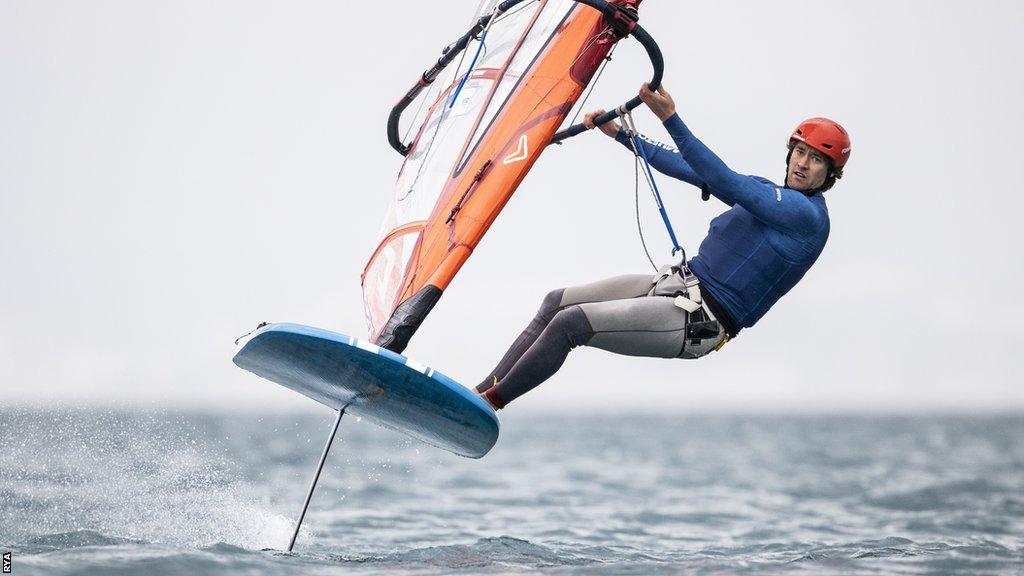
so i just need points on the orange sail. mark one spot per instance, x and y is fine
(477, 142)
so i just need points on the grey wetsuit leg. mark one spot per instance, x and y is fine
(652, 326)
(615, 288)
(618, 287)
(567, 330)
(634, 325)
(548, 308)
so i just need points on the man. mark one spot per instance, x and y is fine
(754, 253)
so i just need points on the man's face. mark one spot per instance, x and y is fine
(808, 168)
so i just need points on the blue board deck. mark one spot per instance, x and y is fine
(375, 383)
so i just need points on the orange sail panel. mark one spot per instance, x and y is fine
(470, 155)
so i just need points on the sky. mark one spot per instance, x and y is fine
(173, 173)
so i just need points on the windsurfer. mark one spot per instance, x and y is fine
(753, 254)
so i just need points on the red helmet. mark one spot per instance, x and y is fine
(827, 137)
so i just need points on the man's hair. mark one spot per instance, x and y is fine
(833, 173)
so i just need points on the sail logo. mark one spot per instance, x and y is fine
(521, 153)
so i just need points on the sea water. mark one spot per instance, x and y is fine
(131, 492)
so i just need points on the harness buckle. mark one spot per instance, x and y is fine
(722, 344)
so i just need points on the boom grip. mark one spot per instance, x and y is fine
(657, 61)
(396, 116)
(428, 77)
(425, 80)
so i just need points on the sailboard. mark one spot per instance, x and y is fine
(476, 142)
(347, 373)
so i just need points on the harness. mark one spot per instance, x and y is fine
(704, 333)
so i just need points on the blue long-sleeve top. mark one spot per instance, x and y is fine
(756, 251)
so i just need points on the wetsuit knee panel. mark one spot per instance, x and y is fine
(551, 304)
(573, 323)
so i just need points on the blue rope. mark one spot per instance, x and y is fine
(472, 65)
(657, 195)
